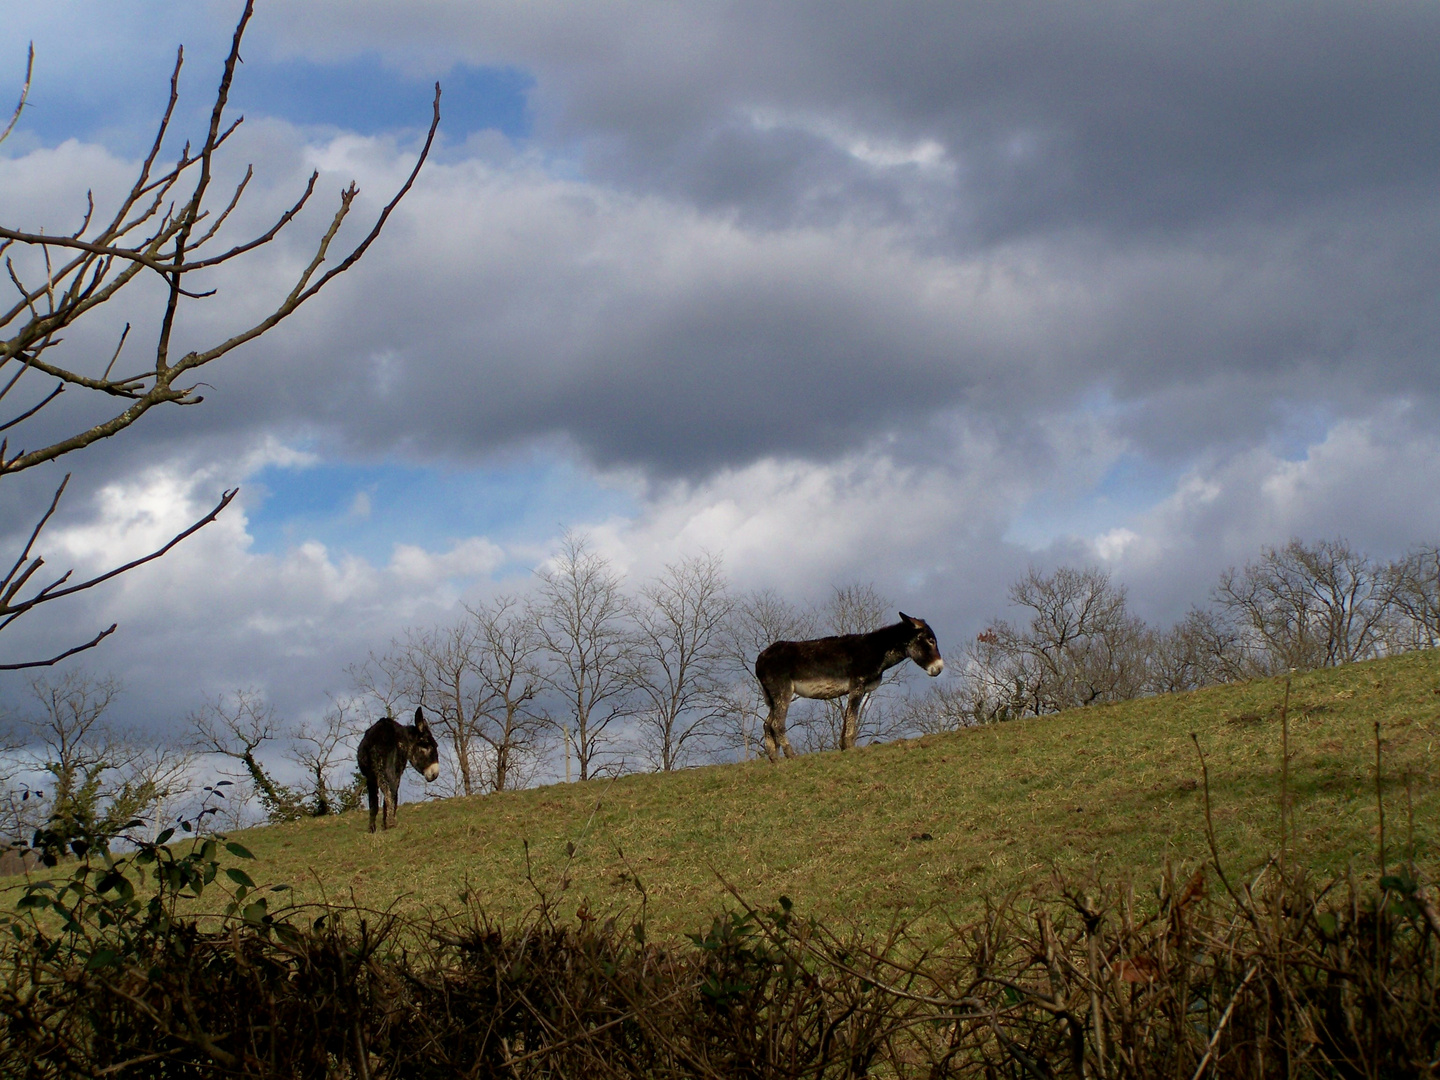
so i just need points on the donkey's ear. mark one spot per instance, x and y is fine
(420, 718)
(911, 620)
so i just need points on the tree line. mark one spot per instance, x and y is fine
(585, 676)
(1296, 607)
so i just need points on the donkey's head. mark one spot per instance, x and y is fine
(424, 753)
(923, 648)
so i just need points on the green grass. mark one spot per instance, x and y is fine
(1114, 787)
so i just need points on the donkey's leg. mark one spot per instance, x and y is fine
(775, 740)
(389, 815)
(771, 746)
(779, 726)
(372, 790)
(850, 730)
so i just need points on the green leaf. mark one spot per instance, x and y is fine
(1398, 883)
(114, 880)
(240, 851)
(101, 958)
(164, 837)
(239, 876)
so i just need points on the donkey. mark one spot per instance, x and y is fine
(384, 750)
(833, 667)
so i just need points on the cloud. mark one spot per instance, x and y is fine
(507, 305)
(469, 558)
(1367, 479)
(1097, 114)
(214, 615)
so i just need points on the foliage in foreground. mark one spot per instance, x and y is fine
(1276, 977)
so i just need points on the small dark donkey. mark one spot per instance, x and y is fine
(384, 750)
(833, 667)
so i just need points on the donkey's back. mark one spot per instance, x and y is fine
(825, 667)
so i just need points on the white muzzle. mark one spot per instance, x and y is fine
(935, 668)
(432, 773)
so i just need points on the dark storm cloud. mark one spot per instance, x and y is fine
(1167, 205)
(797, 230)
(1108, 115)
(655, 338)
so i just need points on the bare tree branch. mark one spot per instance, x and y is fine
(64, 655)
(16, 579)
(75, 287)
(61, 276)
(24, 93)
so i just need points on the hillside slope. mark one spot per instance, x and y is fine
(923, 826)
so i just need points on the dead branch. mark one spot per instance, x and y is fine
(158, 227)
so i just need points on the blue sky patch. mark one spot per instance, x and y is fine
(1132, 485)
(363, 96)
(365, 510)
(119, 109)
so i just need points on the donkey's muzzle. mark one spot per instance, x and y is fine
(432, 773)
(935, 668)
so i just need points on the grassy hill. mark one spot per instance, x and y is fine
(921, 827)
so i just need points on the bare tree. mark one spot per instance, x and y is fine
(680, 633)
(507, 665)
(480, 678)
(1080, 646)
(1413, 591)
(946, 705)
(100, 780)
(236, 727)
(1203, 649)
(169, 225)
(324, 750)
(1308, 606)
(756, 620)
(582, 619)
(21, 802)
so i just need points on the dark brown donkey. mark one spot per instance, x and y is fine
(833, 667)
(384, 750)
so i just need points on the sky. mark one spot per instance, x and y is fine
(917, 295)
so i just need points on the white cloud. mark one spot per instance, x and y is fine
(469, 558)
(1368, 479)
(1111, 545)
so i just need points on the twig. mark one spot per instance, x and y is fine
(1379, 798)
(1284, 773)
(1224, 1019)
(68, 652)
(1210, 832)
(24, 93)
